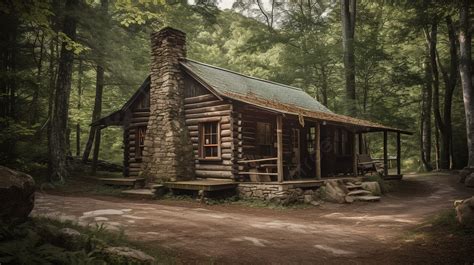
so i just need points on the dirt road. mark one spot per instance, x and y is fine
(330, 234)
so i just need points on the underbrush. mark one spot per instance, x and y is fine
(39, 241)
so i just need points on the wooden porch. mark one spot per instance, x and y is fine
(323, 163)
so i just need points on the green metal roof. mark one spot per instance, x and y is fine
(225, 81)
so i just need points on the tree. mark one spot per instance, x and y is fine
(348, 18)
(450, 78)
(59, 119)
(95, 133)
(465, 71)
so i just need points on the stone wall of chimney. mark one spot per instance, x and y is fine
(168, 152)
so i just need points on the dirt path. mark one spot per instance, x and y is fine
(236, 234)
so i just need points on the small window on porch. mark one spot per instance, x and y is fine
(209, 140)
(139, 141)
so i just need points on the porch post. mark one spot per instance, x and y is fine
(354, 154)
(399, 166)
(280, 148)
(385, 154)
(317, 149)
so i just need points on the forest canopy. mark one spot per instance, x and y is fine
(66, 63)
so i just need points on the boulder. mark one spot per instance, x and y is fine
(373, 187)
(335, 191)
(469, 181)
(70, 239)
(463, 174)
(17, 195)
(465, 211)
(308, 198)
(125, 255)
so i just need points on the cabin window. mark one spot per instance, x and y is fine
(139, 141)
(209, 140)
(310, 139)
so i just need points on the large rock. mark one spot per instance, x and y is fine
(17, 195)
(463, 174)
(465, 211)
(373, 187)
(335, 191)
(125, 255)
(469, 181)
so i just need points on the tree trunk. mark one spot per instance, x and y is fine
(79, 105)
(450, 81)
(34, 109)
(324, 85)
(58, 141)
(99, 91)
(466, 76)
(348, 9)
(426, 118)
(97, 110)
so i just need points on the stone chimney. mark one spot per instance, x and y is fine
(168, 152)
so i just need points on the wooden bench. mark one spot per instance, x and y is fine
(365, 163)
(256, 166)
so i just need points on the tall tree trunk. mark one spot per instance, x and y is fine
(34, 109)
(348, 16)
(466, 75)
(426, 117)
(9, 26)
(432, 41)
(99, 90)
(79, 105)
(324, 84)
(58, 141)
(98, 111)
(450, 81)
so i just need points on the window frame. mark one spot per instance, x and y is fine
(139, 147)
(203, 146)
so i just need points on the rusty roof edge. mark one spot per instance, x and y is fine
(283, 108)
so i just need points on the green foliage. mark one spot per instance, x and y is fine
(297, 43)
(23, 244)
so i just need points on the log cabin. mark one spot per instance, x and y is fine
(192, 120)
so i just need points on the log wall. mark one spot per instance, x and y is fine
(208, 108)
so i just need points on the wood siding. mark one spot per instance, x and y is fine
(208, 108)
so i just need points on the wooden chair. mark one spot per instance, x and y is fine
(365, 163)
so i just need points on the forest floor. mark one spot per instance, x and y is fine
(413, 224)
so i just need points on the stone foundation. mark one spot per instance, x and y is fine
(278, 193)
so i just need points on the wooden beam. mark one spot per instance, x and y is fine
(354, 154)
(280, 147)
(399, 152)
(317, 149)
(385, 154)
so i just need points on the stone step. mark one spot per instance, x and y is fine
(353, 187)
(134, 182)
(140, 193)
(367, 198)
(359, 192)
